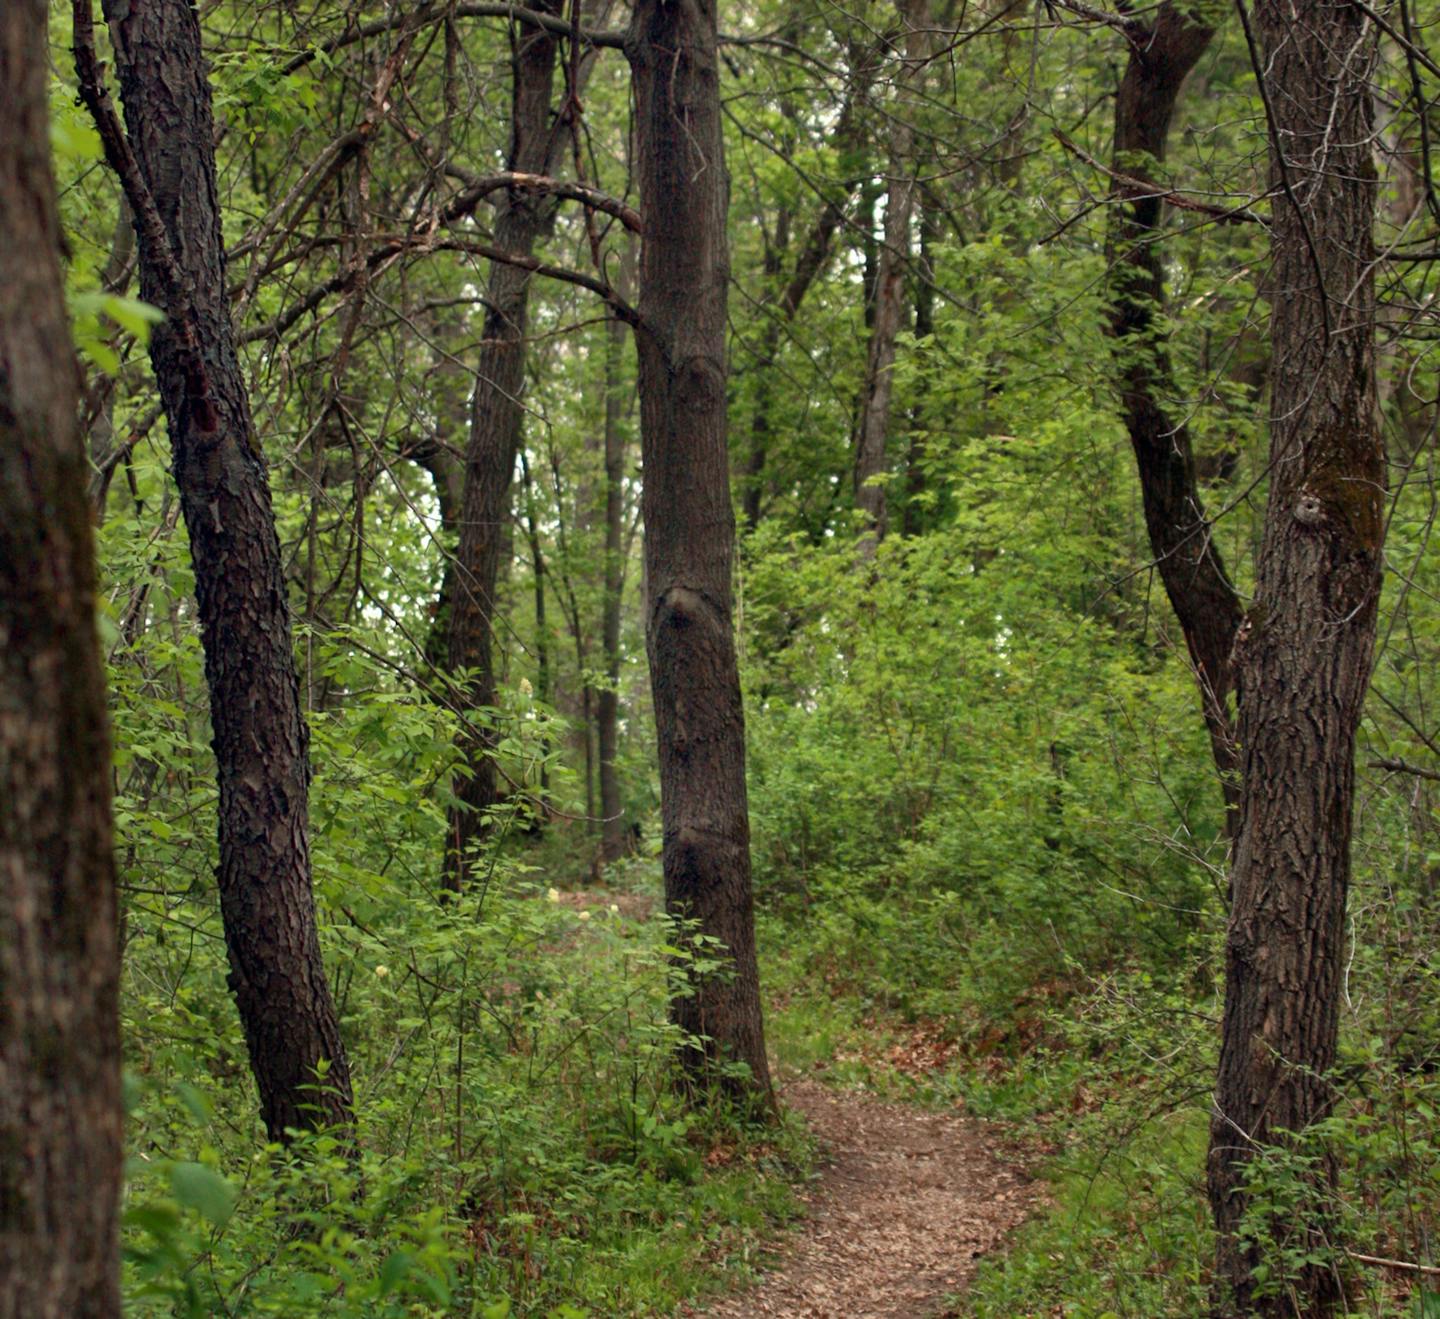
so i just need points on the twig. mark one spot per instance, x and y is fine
(1394, 1263)
(391, 247)
(1142, 189)
(1397, 766)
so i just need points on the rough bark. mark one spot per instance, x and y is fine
(690, 532)
(496, 420)
(60, 1150)
(261, 742)
(1189, 562)
(1305, 649)
(872, 430)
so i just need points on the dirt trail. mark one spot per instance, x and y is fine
(909, 1202)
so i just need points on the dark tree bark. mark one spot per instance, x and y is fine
(167, 166)
(873, 428)
(60, 1150)
(690, 531)
(1305, 649)
(1200, 592)
(471, 580)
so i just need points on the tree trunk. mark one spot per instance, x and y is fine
(260, 738)
(60, 1149)
(913, 517)
(874, 423)
(613, 835)
(472, 578)
(542, 630)
(1200, 592)
(1305, 649)
(690, 533)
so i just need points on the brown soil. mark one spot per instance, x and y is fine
(909, 1202)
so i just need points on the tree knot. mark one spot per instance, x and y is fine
(1308, 510)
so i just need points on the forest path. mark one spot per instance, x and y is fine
(908, 1202)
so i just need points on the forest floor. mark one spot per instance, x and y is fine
(907, 1203)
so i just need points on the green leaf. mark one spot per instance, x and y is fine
(205, 1190)
(394, 1271)
(195, 1103)
(132, 314)
(74, 139)
(159, 1220)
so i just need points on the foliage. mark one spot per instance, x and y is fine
(981, 799)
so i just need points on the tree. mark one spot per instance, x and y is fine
(872, 430)
(166, 165)
(614, 837)
(1162, 54)
(1304, 651)
(60, 1114)
(690, 530)
(496, 420)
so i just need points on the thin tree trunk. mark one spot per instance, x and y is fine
(810, 262)
(496, 419)
(690, 533)
(260, 738)
(542, 627)
(873, 428)
(60, 1113)
(912, 517)
(115, 278)
(1305, 649)
(607, 714)
(1199, 590)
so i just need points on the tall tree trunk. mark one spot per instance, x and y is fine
(60, 1151)
(913, 517)
(260, 738)
(690, 532)
(607, 714)
(496, 419)
(1305, 649)
(873, 427)
(1200, 592)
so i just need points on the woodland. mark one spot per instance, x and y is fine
(607, 605)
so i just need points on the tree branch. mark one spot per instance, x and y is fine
(1141, 188)
(155, 250)
(1397, 766)
(390, 248)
